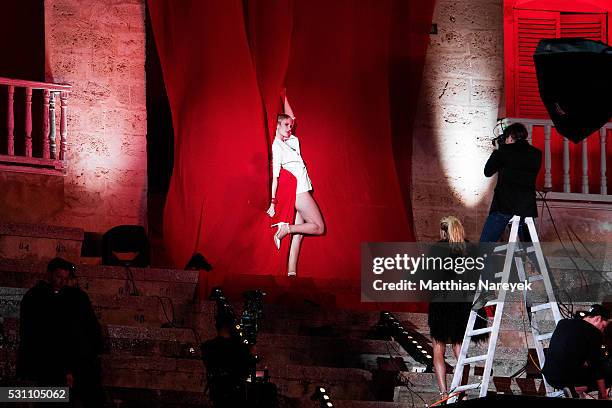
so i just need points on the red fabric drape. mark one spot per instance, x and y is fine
(225, 63)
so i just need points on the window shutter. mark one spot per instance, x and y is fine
(585, 25)
(529, 28)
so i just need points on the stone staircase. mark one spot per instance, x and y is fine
(154, 328)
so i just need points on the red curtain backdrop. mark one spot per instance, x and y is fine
(351, 70)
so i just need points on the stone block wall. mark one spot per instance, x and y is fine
(461, 98)
(98, 47)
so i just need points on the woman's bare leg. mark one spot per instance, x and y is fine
(439, 349)
(296, 242)
(457, 350)
(309, 210)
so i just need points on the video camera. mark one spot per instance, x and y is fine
(499, 131)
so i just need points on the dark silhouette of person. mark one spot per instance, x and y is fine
(574, 359)
(228, 362)
(60, 337)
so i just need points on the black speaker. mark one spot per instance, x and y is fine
(575, 81)
(126, 245)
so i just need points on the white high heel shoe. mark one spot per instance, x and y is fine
(279, 225)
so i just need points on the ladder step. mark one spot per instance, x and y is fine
(480, 331)
(500, 248)
(543, 306)
(492, 303)
(475, 359)
(499, 274)
(467, 387)
(536, 278)
(544, 336)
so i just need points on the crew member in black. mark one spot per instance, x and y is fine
(42, 329)
(574, 359)
(228, 363)
(517, 164)
(60, 337)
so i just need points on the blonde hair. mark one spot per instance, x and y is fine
(282, 116)
(452, 230)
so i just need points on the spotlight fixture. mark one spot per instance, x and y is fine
(198, 262)
(414, 344)
(322, 397)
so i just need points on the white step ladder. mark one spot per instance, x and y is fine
(513, 253)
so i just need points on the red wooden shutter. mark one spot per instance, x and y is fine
(529, 28)
(584, 25)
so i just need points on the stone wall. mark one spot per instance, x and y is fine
(460, 101)
(98, 47)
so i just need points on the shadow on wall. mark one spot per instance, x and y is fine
(460, 101)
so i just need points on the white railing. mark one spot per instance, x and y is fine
(584, 193)
(51, 161)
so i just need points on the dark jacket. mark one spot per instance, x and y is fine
(59, 334)
(517, 165)
(574, 356)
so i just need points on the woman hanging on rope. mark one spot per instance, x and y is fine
(287, 158)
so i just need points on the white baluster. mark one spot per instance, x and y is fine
(10, 121)
(529, 133)
(585, 167)
(63, 124)
(566, 167)
(547, 159)
(45, 130)
(52, 145)
(604, 181)
(28, 122)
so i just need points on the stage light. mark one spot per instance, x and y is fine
(415, 345)
(126, 245)
(198, 262)
(322, 397)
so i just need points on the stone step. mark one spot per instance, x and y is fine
(292, 319)
(293, 381)
(153, 342)
(283, 348)
(37, 242)
(148, 373)
(370, 404)
(287, 349)
(425, 385)
(178, 285)
(123, 397)
(426, 382)
(126, 397)
(145, 311)
(275, 349)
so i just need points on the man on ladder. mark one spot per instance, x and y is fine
(517, 164)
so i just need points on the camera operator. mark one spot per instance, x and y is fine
(517, 164)
(228, 362)
(575, 360)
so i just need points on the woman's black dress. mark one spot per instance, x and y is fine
(448, 320)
